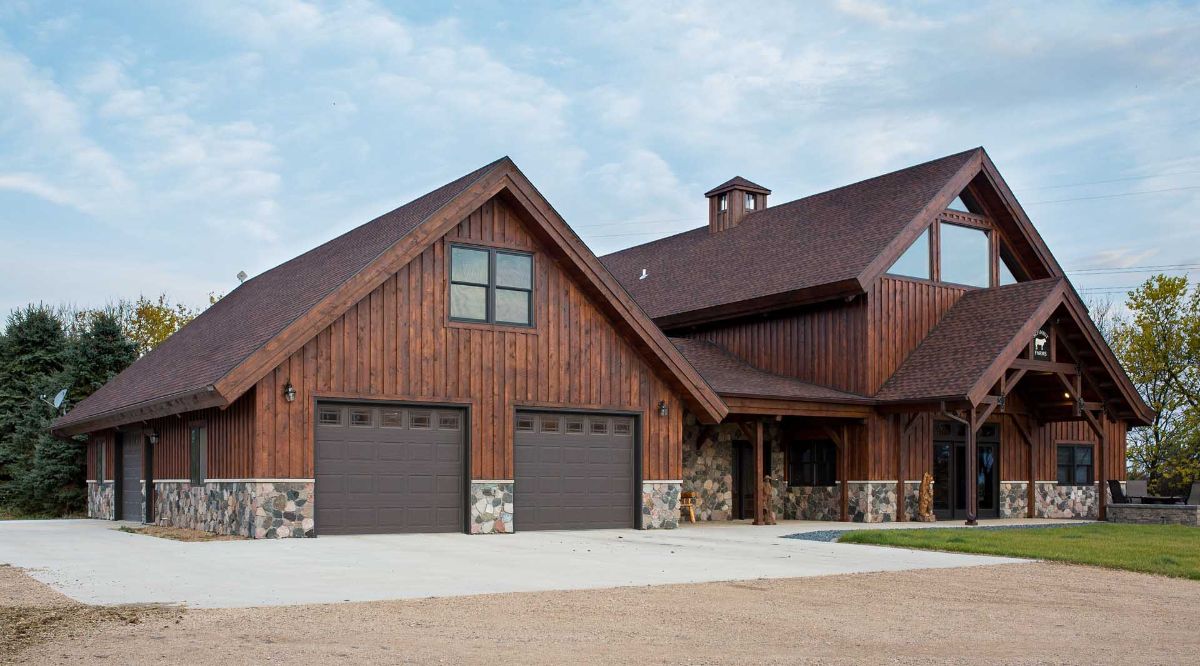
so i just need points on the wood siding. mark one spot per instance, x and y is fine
(901, 314)
(230, 441)
(107, 439)
(822, 344)
(398, 344)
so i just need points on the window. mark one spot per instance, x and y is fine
(622, 427)
(812, 463)
(329, 416)
(100, 451)
(524, 424)
(360, 418)
(448, 421)
(915, 260)
(750, 201)
(1075, 465)
(420, 420)
(965, 256)
(599, 426)
(549, 424)
(723, 202)
(958, 204)
(574, 426)
(491, 286)
(198, 448)
(391, 418)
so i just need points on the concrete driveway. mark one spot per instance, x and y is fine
(93, 562)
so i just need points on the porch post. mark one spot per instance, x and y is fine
(972, 471)
(900, 433)
(759, 484)
(1102, 451)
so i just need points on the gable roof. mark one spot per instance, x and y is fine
(975, 331)
(832, 241)
(737, 183)
(224, 351)
(979, 337)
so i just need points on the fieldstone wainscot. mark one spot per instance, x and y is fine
(875, 501)
(1055, 501)
(812, 503)
(708, 467)
(491, 507)
(660, 504)
(1014, 499)
(259, 509)
(100, 501)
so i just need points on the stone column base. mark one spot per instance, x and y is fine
(1014, 499)
(101, 500)
(252, 508)
(491, 507)
(660, 504)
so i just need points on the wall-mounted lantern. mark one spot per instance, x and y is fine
(289, 392)
(662, 407)
(153, 437)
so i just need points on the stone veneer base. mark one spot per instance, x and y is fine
(101, 500)
(1155, 514)
(660, 504)
(255, 509)
(491, 507)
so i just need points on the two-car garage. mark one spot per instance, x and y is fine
(387, 468)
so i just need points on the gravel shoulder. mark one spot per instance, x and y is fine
(1028, 613)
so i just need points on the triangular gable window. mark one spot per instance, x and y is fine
(958, 204)
(915, 260)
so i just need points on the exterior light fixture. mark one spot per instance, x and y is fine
(662, 407)
(153, 437)
(1067, 396)
(289, 392)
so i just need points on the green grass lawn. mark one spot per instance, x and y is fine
(1168, 550)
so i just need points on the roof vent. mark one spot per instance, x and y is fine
(733, 200)
(645, 274)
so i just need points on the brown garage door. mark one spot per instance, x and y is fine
(384, 469)
(573, 471)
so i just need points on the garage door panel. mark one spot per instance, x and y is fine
(389, 476)
(573, 472)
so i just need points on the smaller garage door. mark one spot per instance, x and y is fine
(573, 471)
(384, 469)
(131, 477)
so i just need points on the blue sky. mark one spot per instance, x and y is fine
(149, 147)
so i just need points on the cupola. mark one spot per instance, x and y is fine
(732, 200)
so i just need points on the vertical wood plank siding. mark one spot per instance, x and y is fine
(902, 313)
(95, 440)
(822, 344)
(397, 343)
(230, 441)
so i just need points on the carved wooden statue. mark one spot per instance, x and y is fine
(768, 490)
(925, 500)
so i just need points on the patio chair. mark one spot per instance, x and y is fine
(1136, 489)
(1118, 495)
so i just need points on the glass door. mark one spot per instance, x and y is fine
(950, 476)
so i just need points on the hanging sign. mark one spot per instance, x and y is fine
(1041, 345)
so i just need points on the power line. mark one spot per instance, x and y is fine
(1116, 196)
(1110, 180)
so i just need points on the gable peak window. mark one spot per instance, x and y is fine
(958, 204)
(915, 260)
(491, 286)
(965, 255)
(750, 201)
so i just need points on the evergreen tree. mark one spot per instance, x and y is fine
(32, 359)
(101, 352)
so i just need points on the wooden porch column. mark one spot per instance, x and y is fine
(759, 483)
(972, 471)
(844, 473)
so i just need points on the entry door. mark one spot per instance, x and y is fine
(950, 476)
(131, 477)
(744, 499)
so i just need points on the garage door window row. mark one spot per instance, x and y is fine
(575, 425)
(387, 418)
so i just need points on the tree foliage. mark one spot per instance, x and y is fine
(44, 349)
(1159, 345)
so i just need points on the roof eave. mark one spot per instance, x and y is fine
(178, 403)
(759, 305)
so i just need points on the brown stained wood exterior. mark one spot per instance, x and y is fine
(107, 439)
(397, 343)
(901, 312)
(822, 344)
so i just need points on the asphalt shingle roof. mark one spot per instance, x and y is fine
(729, 375)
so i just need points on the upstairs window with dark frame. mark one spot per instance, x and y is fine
(812, 463)
(491, 286)
(198, 450)
(722, 202)
(1075, 466)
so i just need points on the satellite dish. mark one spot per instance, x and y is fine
(59, 397)
(241, 276)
